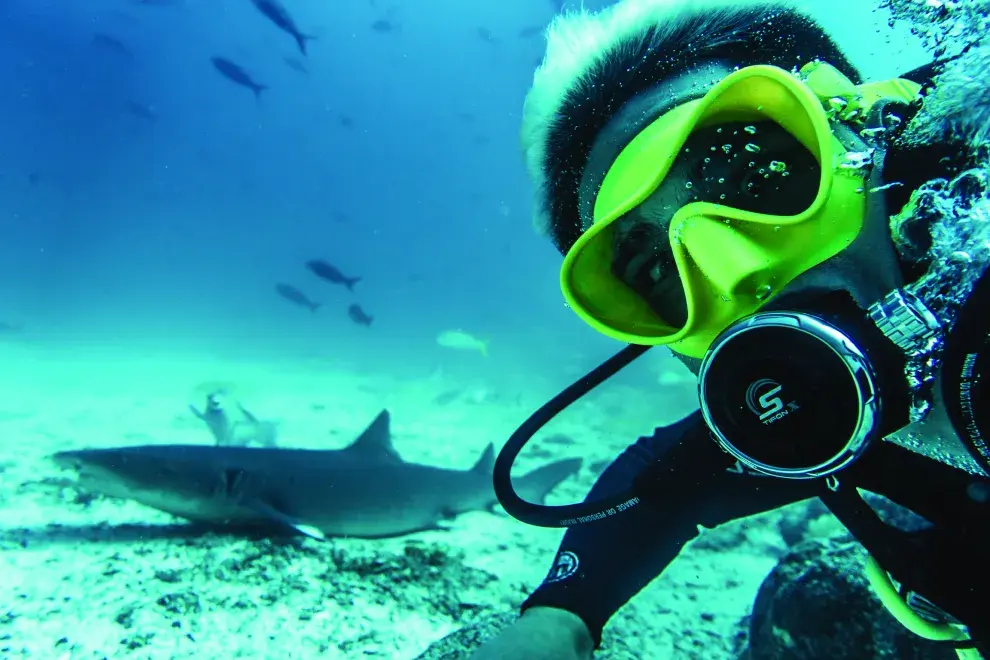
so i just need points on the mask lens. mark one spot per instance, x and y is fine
(757, 167)
(751, 166)
(644, 260)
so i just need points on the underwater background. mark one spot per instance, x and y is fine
(150, 203)
(150, 207)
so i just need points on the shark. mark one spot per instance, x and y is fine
(366, 490)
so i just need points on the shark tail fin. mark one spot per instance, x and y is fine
(247, 414)
(486, 464)
(535, 485)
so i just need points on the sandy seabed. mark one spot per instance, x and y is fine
(92, 577)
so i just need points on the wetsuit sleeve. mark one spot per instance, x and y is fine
(600, 566)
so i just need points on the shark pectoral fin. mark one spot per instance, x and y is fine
(276, 516)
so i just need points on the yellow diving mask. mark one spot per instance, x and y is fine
(729, 260)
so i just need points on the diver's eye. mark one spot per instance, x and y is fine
(639, 235)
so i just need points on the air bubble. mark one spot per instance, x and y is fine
(753, 148)
(838, 103)
(857, 160)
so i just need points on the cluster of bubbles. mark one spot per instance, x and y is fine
(960, 234)
(774, 167)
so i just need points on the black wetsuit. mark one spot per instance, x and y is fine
(600, 566)
(617, 557)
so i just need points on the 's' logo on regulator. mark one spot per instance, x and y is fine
(763, 400)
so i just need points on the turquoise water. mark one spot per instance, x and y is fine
(150, 206)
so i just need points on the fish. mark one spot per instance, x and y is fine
(295, 296)
(254, 431)
(359, 316)
(365, 490)
(383, 25)
(236, 74)
(227, 433)
(111, 44)
(279, 15)
(330, 273)
(295, 65)
(531, 31)
(142, 111)
(462, 341)
(216, 419)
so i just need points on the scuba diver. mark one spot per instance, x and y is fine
(721, 181)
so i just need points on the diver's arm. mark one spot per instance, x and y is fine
(541, 633)
(616, 557)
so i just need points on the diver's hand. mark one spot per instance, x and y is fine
(541, 633)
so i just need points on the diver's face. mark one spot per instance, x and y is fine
(758, 167)
(754, 166)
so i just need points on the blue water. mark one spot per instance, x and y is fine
(171, 232)
(150, 206)
(395, 158)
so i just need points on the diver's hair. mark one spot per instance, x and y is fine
(595, 63)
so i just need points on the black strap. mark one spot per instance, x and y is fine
(948, 569)
(925, 74)
(865, 525)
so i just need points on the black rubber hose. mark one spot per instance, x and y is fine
(571, 514)
(965, 389)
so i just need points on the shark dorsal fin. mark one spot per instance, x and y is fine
(376, 441)
(486, 464)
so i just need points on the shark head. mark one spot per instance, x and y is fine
(166, 480)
